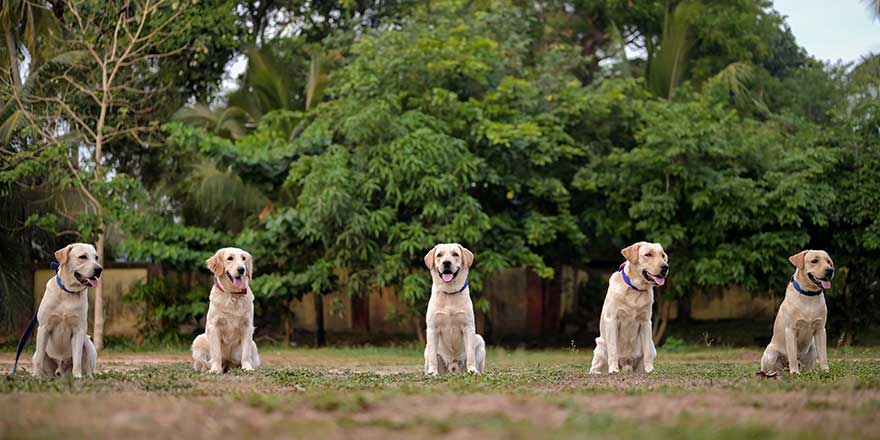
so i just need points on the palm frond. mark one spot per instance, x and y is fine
(667, 67)
(317, 80)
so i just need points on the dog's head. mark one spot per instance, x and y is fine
(233, 265)
(815, 265)
(648, 259)
(79, 264)
(449, 262)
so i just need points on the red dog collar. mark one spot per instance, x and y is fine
(240, 292)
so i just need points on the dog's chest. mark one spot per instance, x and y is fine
(69, 312)
(450, 317)
(635, 307)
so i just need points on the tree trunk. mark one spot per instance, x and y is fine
(13, 60)
(99, 297)
(420, 330)
(320, 337)
(661, 319)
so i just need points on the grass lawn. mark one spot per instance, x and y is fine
(366, 393)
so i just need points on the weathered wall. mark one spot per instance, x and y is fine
(120, 318)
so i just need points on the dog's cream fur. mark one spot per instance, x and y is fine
(228, 340)
(62, 343)
(452, 341)
(625, 335)
(799, 330)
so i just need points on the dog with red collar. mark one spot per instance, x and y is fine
(228, 340)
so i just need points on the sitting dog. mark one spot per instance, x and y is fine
(625, 335)
(452, 341)
(799, 330)
(228, 340)
(62, 343)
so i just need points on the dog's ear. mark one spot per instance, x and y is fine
(631, 253)
(62, 254)
(797, 260)
(467, 256)
(250, 265)
(215, 263)
(429, 258)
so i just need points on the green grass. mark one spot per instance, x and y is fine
(348, 392)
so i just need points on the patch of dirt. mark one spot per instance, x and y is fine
(834, 413)
(445, 406)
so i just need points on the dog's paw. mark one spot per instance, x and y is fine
(246, 366)
(431, 372)
(649, 368)
(596, 372)
(795, 372)
(473, 370)
(216, 369)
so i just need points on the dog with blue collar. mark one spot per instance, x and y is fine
(62, 344)
(625, 339)
(799, 337)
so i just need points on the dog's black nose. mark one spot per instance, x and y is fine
(447, 264)
(664, 269)
(240, 270)
(829, 272)
(98, 271)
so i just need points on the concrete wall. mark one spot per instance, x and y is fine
(120, 318)
(519, 304)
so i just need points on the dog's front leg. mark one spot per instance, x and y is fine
(216, 352)
(246, 359)
(648, 352)
(77, 341)
(611, 345)
(431, 338)
(791, 350)
(470, 344)
(821, 341)
(40, 352)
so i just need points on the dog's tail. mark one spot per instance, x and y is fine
(22, 341)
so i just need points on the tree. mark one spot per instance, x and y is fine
(69, 109)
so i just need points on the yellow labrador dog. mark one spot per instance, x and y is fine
(799, 330)
(62, 343)
(228, 340)
(625, 335)
(452, 341)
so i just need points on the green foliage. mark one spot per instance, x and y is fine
(166, 305)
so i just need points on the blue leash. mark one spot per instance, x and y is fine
(22, 341)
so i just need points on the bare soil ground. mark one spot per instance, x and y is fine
(380, 393)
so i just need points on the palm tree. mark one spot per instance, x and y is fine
(667, 63)
(24, 23)
(265, 87)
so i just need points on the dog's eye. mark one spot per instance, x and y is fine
(229, 258)
(815, 260)
(649, 254)
(243, 258)
(455, 254)
(440, 254)
(83, 257)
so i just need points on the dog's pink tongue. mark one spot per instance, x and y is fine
(90, 282)
(825, 284)
(238, 283)
(447, 277)
(658, 280)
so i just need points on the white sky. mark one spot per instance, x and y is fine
(832, 30)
